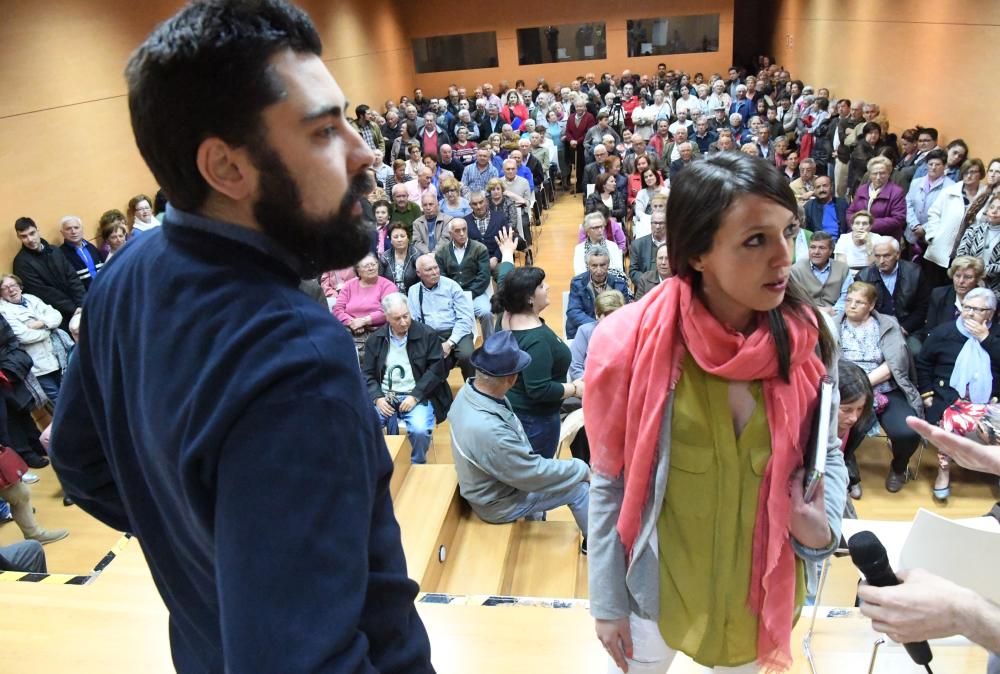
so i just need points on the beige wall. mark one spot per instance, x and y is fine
(66, 143)
(923, 61)
(441, 19)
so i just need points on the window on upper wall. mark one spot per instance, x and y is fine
(564, 42)
(673, 35)
(455, 52)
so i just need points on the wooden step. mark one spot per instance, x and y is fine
(481, 558)
(399, 451)
(548, 561)
(428, 509)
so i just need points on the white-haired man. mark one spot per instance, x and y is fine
(82, 255)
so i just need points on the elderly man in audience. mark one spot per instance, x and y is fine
(515, 186)
(431, 136)
(824, 211)
(46, 273)
(642, 252)
(882, 198)
(655, 276)
(447, 161)
(901, 290)
(36, 325)
(441, 304)
(672, 150)
(585, 287)
(430, 230)
(498, 473)
(595, 168)
(467, 262)
(686, 151)
(404, 370)
(923, 192)
(638, 148)
(804, 186)
(522, 167)
(82, 255)
(703, 135)
(403, 210)
(824, 279)
(595, 135)
(484, 224)
(476, 176)
(423, 185)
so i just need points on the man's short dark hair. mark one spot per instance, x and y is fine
(929, 130)
(204, 72)
(360, 112)
(23, 224)
(821, 235)
(940, 155)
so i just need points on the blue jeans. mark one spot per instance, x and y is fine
(419, 426)
(542, 431)
(50, 384)
(576, 497)
(26, 556)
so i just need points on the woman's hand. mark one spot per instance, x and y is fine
(809, 524)
(928, 401)
(506, 239)
(578, 385)
(616, 637)
(978, 330)
(35, 324)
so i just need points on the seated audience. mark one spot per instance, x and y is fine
(585, 287)
(36, 326)
(484, 225)
(635, 181)
(112, 232)
(679, 164)
(517, 188)
(423, 186)
(826, 212)
(922, 194)
(652, 185)
(824, 280)
(875, 343)
(399, 261)
(857, 250)
(82, 255)
(397, 177)
(883, 199)
(380, 237)
(140, 215)
(537, 396)
(605, 304)
(404, 371)
(655, 276)
(441, 304)
(21, 396)
(499, 200)
(332, 282)
(642, 252)
(453, 205)
(945, 305)
(359, 303)
(477, 175)
(403, 210)
(960, 362)
(430, 230)
(26, 557)
(45, 272)
(900, 287)
(18, 497)
(595, 230)
(606, 193)
(467, 262)
(804, 186)
(499, 474)
(855, 417)
(980, 240)
(944, 221)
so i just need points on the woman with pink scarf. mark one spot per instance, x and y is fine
(698, 402)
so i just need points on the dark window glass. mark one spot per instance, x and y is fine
(673, 35)
(565, 42)
(455, 52)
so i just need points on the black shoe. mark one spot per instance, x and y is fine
(583, 546)
(894, 481)
(67, 501)
(35, 460)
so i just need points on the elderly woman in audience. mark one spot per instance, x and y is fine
(612, 229)
(875, 343)
(140, 215)
(944, 221)
(656, 275)
(36, 326)
(538, 394)
(399, 261)
(112, 231)
(606, 193)
(499, 201)
(359, 304)
(855, 418)
(414, 158)
(453, 204)
(981, 239)
(945, 305)
(885, 200)
(960, 360)
(857, 250)
(595, 234)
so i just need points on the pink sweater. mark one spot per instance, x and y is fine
(355, 300)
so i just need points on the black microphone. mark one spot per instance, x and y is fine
(868, 554)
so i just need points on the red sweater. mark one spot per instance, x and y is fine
(576, 131)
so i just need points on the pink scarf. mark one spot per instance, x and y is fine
(634, 362)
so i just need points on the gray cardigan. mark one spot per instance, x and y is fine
(617, 588)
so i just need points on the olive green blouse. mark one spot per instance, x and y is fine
(705, 528)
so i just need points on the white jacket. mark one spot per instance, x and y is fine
(36, 341)
(943, 220)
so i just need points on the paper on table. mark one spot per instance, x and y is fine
(966, 552)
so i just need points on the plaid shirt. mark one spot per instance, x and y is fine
(475, 179)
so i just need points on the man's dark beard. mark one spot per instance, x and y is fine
(321, 244)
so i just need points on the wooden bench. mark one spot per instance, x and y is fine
(428, 508)
(548, 561)
(481, 558)
(399, 451)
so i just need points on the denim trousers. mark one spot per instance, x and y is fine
(419, 426)
(576, 497)
(542, 431)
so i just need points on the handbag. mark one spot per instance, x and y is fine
(12, 467)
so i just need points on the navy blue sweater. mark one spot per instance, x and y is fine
(219, 414)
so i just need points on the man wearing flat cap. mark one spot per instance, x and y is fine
(498, 474)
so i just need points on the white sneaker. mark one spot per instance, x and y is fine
(29, 478)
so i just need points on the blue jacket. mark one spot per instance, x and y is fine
(581, 303)
(219, 414)
(814, 216)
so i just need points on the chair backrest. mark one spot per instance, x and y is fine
(565, 298)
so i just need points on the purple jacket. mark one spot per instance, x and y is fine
(888, 209)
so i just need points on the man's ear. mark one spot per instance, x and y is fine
(226, 169)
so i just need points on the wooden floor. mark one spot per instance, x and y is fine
(123, 617)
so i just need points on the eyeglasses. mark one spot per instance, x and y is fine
(976, 310)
